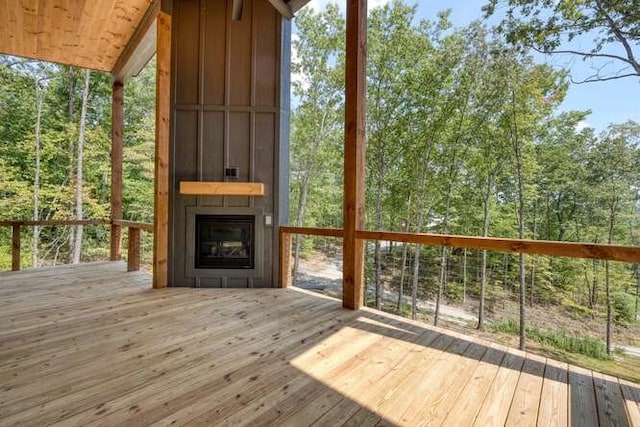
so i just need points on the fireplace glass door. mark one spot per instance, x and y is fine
(225, 241)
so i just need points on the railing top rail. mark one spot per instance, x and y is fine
(54, 222)
(145, 226)
(311, 231)
(531, 247)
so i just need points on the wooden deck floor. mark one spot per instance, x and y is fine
(92, 345)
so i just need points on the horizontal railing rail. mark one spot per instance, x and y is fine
(522, 246)
(134, 228)
(55, 222)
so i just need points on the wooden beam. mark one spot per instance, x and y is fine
(140, 48)
(15, 247)
(532, 247)
(309, 231)
(354, 153)
(163, 128)
(296, 5)
(133, 249)
(117, 126)
(282, 7)
(57, 222)
(199, 188)
(285, 258)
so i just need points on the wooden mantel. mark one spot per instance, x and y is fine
(215, 188)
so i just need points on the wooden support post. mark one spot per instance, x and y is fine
(15, 246)
(163, 124)
(285, 259)
(133, 249)
(354, 153)
(117, 125)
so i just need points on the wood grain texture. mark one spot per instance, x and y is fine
(533, 247)
(193, 188)
(117, 134)
(133, 249)
(286, 244)
(85, 33)
(163, 132)
(354, 153)
(15, 247)
(583, 410)
(308, 231)
(91, 344)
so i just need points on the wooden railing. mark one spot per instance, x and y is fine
(134, 229)
(521, 246)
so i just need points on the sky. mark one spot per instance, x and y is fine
(615, 101)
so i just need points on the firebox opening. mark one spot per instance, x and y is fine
(225, 242)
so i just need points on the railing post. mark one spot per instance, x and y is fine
(133, 256)
(285, 259)
(15, 246)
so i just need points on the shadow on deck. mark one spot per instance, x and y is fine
(91, 344)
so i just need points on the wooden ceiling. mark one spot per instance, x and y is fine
(116, 36)
(85, 33)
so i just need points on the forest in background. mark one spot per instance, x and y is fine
(55, 145)
(464, 137)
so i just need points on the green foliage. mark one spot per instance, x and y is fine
(561, 340)
(624, 308)
(609, 30)
(61, 90)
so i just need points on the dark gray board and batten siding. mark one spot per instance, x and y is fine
(230, 99)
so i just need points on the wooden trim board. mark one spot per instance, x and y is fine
(213, 188)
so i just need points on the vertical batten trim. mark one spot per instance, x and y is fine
(227, 91)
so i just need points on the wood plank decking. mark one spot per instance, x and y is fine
(93, 345)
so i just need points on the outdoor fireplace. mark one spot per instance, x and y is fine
(225, 241)
(229, 145)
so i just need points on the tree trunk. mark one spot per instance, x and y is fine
(77, 250)
(485, 253)
(464, 276)
(377, 256)
(594, 289)
(443, 270)
(304, 193)
(533, 258)
(71, 88)
(416, 272)
(637, 288)
(609, 308)
(403, 268)
(302, 206)
(517, 148)
(607, 277)
(36, 179)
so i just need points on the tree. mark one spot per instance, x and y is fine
(390, 33)
(77, 249)
(317, 120)
(614, 165)
(552, 27)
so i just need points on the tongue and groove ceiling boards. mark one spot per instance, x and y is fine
(100, 35)
(85, 33)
